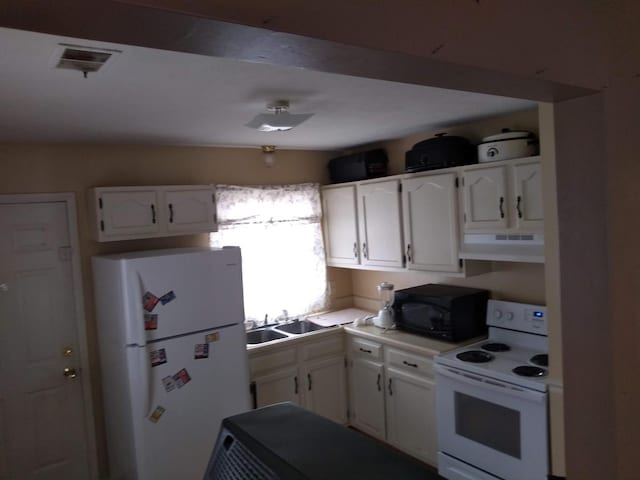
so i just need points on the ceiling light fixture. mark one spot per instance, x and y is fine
(279, 120)
(269, 155)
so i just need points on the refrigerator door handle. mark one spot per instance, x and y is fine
(146, 380)
(140, 332)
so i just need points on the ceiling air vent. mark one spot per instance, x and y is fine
(84, 59)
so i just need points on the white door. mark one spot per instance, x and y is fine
(485, 204)
(325, 393)
(340, 222)
(528, 196)
(42, 415)
(367, 397)
(430, 220)
(410, 407)
(380, 224)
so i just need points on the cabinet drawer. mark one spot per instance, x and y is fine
(327, 347)
(365, 348)
(409, 363)
(269, 361)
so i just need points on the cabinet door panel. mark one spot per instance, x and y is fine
(380, 224)
(366, 383)
(410, 407)
(280, 386)
(485, 203)
(431, 222)
(325, 384)
(528, 196)
(341, 225)
(189, 210)
(129, 213)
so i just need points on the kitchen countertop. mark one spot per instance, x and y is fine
(394, 338)
(407, 341)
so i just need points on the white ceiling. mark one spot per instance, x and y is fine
(148, 96)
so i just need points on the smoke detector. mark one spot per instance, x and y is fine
(279, 119)
(83, 59)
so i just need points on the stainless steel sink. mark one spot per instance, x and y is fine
(298, 327)
(263, 335)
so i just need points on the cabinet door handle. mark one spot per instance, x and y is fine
(408, 252)
(378, 383)
(390, 389)
(171, 213)
(414, 365)
(309, 380)
(365, 251)
(295, 384)
(365, 350)
(500, 207)
(519, 199)
(153, 213)
(254, 394)
(355, 249)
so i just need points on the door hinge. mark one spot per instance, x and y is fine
(457, 182)
(102, 225)
(464, 215)
(399, 188)
(404, 260)
(345, 363)
(460, 262)
(100, 203)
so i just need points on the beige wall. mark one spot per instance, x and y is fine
(60, 168)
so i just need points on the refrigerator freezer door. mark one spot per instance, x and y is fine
(169, 295)
(181, 391)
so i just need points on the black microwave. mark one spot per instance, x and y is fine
(446, 312)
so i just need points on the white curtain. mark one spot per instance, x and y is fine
(278, 230)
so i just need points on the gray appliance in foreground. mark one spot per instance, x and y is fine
(491, 399)
(286, 442)
(173, 357)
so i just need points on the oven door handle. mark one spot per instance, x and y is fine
(490, 384)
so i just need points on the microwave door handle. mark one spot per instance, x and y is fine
(490, 384)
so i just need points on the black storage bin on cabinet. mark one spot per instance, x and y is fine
(359, 166)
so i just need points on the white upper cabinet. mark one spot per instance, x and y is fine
(504, 198)
(126, 213)
(380, 223)
(189, 209)
(340, 222)
(430, 206)
(485, 205)
(527, 179)
(130, 213)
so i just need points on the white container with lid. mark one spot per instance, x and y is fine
(506, 145)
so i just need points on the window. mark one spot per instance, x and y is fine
(278, 230)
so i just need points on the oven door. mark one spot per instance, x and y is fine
(494, 426)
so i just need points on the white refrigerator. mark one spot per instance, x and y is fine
(173, 357)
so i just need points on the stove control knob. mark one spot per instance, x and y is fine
(497, 314)
(508, 316)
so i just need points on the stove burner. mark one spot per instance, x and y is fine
(496, 347)
(542, 360)
(529, 371)
(475, 356)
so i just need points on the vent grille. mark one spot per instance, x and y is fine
(84, 59)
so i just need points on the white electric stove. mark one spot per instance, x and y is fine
(492, 399)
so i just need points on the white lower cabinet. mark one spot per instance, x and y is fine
(410, 421)
(366, 397)
(392, 397)
(310, 374)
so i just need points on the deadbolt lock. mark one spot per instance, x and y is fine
(67, 351)
(69, 372)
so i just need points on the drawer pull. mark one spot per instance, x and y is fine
(365, 350)
(414, 365)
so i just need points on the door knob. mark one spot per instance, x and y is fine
(69, 372)
(67, 351)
